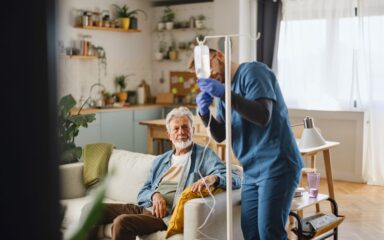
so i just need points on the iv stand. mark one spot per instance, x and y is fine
(228, 132)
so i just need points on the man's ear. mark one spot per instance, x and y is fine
(169, 135)
(220, 56)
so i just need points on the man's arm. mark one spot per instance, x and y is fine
(159, 205)
(217, 128)
(144, 197)
(258, 112)
(214, 166)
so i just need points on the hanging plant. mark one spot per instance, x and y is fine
(101, 60)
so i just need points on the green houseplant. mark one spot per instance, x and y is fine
(168, 17)
(69, 125)
(128, 19)
(199, 22)
(101, 60)
(122, 13)
(121, 94)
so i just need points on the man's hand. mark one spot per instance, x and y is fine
(159, 205)
(204, 182)
(203, 101)
(212, 87)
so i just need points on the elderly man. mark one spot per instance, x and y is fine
(170, 174)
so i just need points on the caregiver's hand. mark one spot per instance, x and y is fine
(211, 86)
(203, 101)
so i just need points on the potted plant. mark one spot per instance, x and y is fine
(199, 22)
(122, 13)
(159, 55)
(120, 83)
(160, 25)
(108, 98)
(168, 17)
(69, 125)
(133, 23)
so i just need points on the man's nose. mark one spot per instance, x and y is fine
(181, 130)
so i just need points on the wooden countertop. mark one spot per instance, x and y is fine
(127, 108)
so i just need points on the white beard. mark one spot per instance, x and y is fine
(180, 144)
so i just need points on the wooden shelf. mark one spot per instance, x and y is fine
(181, 29)
(81, 57)
(168, 60)
(109, 29)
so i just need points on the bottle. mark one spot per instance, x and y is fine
(192, 22)
(202, 63)
(85, 19)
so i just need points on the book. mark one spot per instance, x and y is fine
(299, 192)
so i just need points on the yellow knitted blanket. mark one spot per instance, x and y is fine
(176, 222)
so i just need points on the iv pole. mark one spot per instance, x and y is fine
(228, 132)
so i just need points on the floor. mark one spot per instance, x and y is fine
(363, 208)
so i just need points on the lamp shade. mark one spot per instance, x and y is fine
(310, 136)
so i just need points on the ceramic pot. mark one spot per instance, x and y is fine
(124, 23)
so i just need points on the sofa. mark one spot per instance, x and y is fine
(130, 172)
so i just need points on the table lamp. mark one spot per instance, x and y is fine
(310, 136)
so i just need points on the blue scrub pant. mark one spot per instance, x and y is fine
(265, 206)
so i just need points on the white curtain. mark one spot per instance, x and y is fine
(328, 58)
(371, 73)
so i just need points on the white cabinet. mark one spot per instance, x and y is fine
(117, 128)
(90, 134)
(121, 128)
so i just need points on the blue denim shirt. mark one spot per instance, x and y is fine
(210, 165)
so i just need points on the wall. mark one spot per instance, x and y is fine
(126, 52)
(222, 18)
(134, 52)
(344, 127)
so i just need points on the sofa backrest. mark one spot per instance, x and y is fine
(128, 170)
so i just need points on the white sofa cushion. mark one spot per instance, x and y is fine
(129, 172)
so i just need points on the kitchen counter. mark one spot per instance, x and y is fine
(130, 107)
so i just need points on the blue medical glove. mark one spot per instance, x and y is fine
(211, 86)
(203, 101)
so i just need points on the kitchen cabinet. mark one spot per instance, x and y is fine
(121, 128)
(117, 128)
(140, 131)
(90, 134)
(168, 109)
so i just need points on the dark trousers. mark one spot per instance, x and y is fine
(128, 220)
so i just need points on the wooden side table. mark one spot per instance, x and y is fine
(326, 230)
(325, 149)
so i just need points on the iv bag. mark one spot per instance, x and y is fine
(202, 64)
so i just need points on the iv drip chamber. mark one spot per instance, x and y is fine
(202, 64)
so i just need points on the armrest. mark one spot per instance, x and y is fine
(196, 211)
(71, 181)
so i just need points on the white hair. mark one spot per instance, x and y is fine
(179, 112)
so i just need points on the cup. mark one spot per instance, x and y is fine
(313, 179)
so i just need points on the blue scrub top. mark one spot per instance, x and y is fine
(264, 152)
